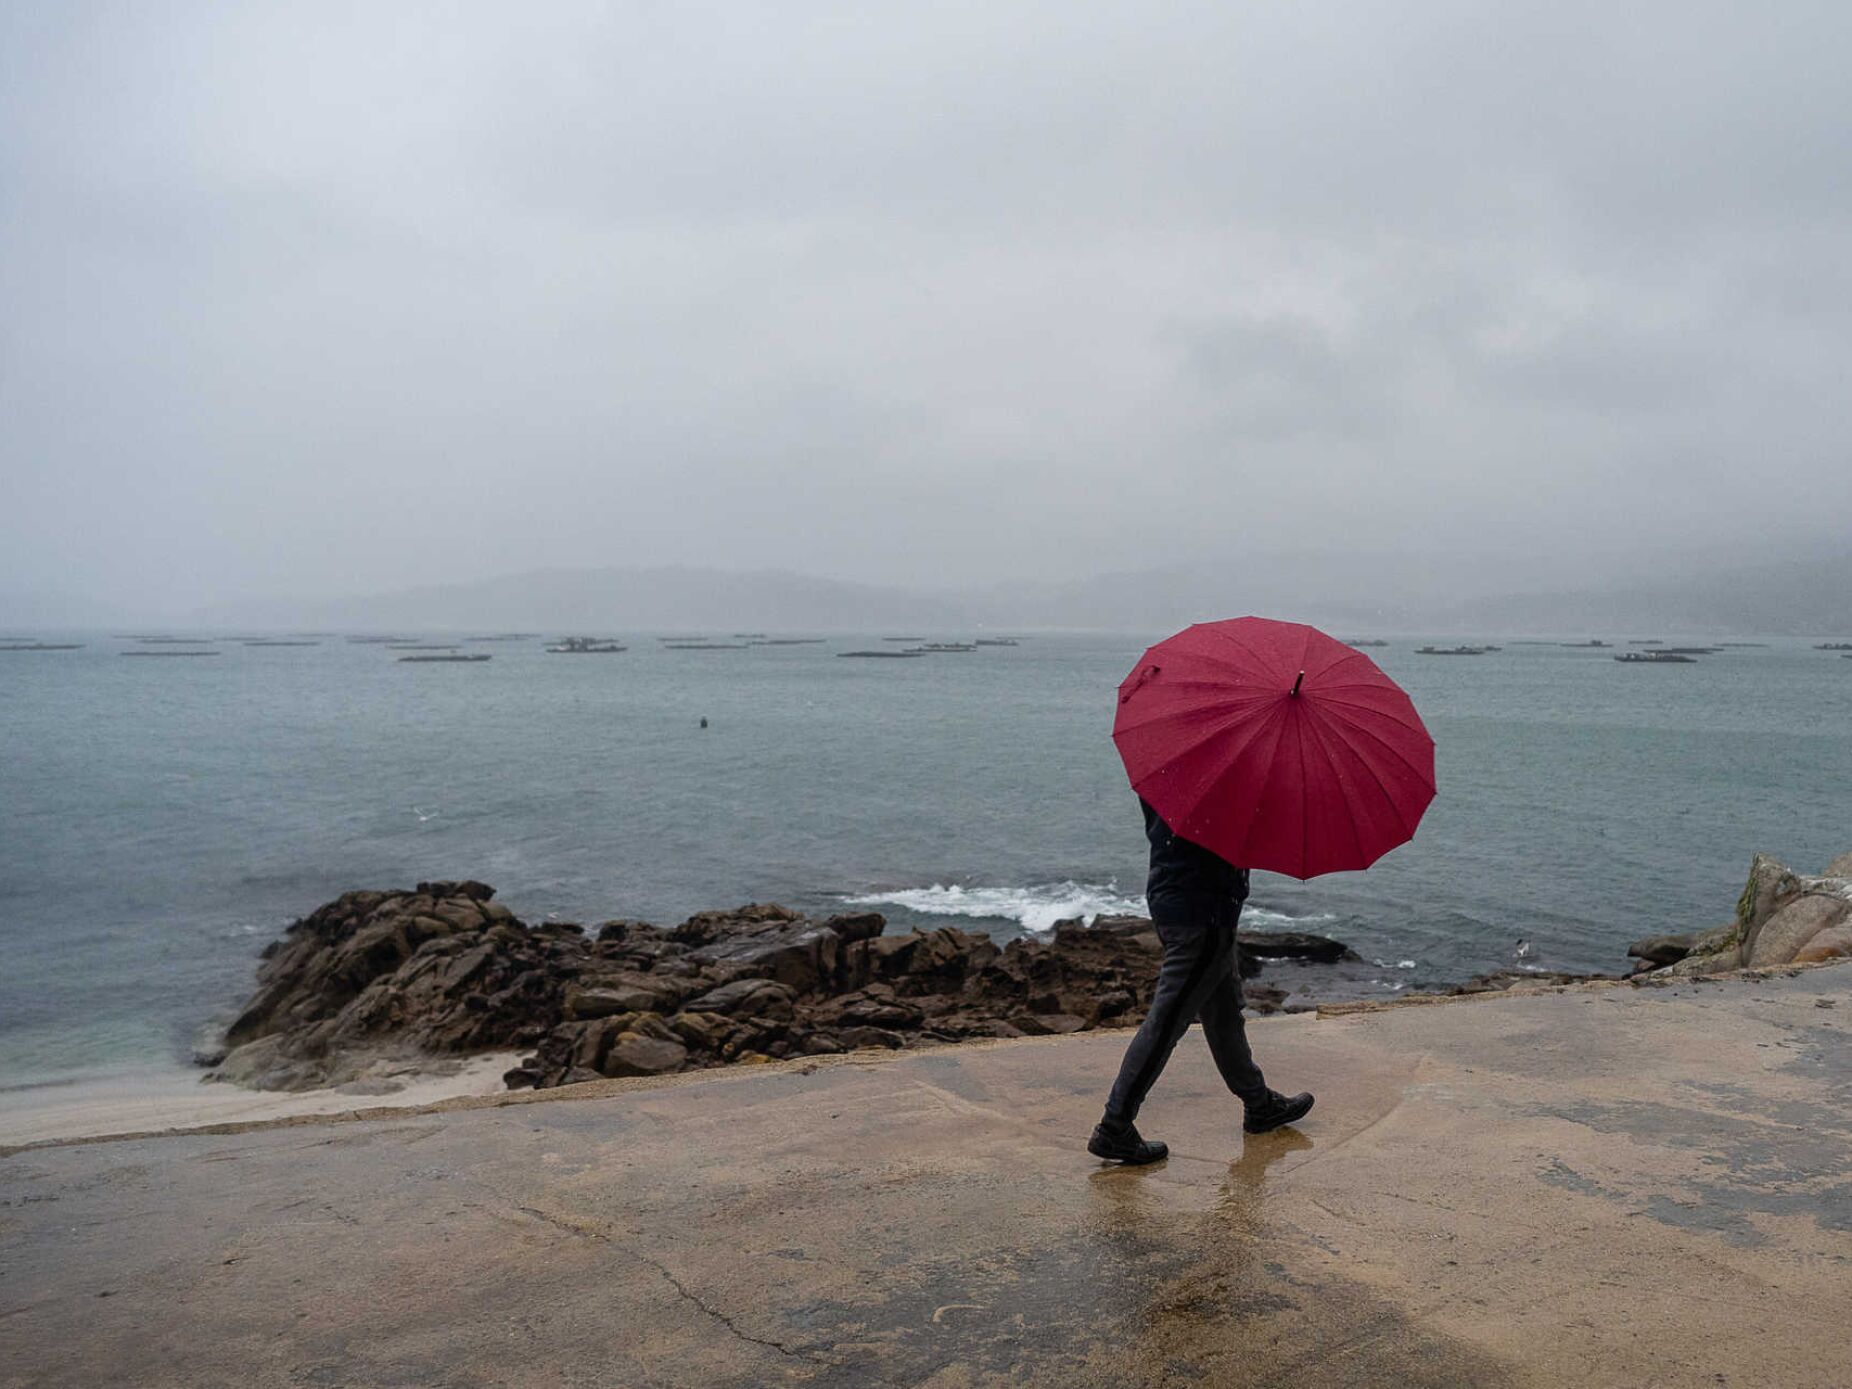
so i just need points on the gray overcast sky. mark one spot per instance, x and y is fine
(323, 298)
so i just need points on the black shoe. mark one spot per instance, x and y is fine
(1277, 1111)
(1124, 1145)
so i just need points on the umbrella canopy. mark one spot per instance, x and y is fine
(1275, 746)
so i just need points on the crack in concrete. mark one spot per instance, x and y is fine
(587, 1230)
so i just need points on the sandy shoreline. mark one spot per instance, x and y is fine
(163, 1099)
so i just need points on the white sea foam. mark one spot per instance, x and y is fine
(1036, 909)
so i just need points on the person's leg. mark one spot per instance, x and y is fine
(1223, 1027)
(1196, 956)
(1227, 1036)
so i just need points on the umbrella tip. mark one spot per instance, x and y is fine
(1297, 683)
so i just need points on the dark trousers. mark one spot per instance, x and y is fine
(1197, 979)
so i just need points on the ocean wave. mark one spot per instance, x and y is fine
(1037, 908)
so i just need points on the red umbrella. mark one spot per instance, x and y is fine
(1275, 746)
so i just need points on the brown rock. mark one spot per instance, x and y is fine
(603, 1003)
(1495, 981)
(1771, 886)
(594, 1040)
(857, 925)
(798, 954)
(704, 928)
(870, 1037)
(1661, 950)
(636, 1054)
(971, 1024)
(1790, 928)
(754, 997)
(1696, 965)
(700, 1031)
(1263, 999)
(1294, 945)
(1112, 1003)
(1029, 1024)
(625, 991)
(460, 914)
(468, 887)
(1833, 943)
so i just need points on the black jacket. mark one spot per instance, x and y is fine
(1185, 877)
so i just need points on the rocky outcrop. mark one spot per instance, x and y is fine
(1259, 946)
(1255, 948)
(1506, 980)
(441, 969)
(1782, 917)
(444, 970)
(1655, 951)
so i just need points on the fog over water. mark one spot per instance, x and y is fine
(318, 300)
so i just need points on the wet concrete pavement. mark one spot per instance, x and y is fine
(1600, 1187)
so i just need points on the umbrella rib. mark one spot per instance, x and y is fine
(1261, 728)
(1223, 634)
(1216, 658)
(1337, 778)
(1305, 801)
(1325, 691)
(1321, 676)
(1377, 777)
(1425, 778)
(1389, 799)
(1181, 720)
(1206, 682)
(1275, 762)
(1222, 727)
(1228, 702)
(1396, 715)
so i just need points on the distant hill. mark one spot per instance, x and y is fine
(1811, 597)
(28, 610)
(618, 600)
(1343, 591)
(1338, 589)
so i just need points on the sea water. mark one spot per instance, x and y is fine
(161, 820)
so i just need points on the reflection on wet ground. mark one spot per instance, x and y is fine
(1240, 1201)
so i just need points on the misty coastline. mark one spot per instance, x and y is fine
(1381, 594)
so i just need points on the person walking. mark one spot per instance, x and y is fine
(1195, 900)
(1252, 744)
